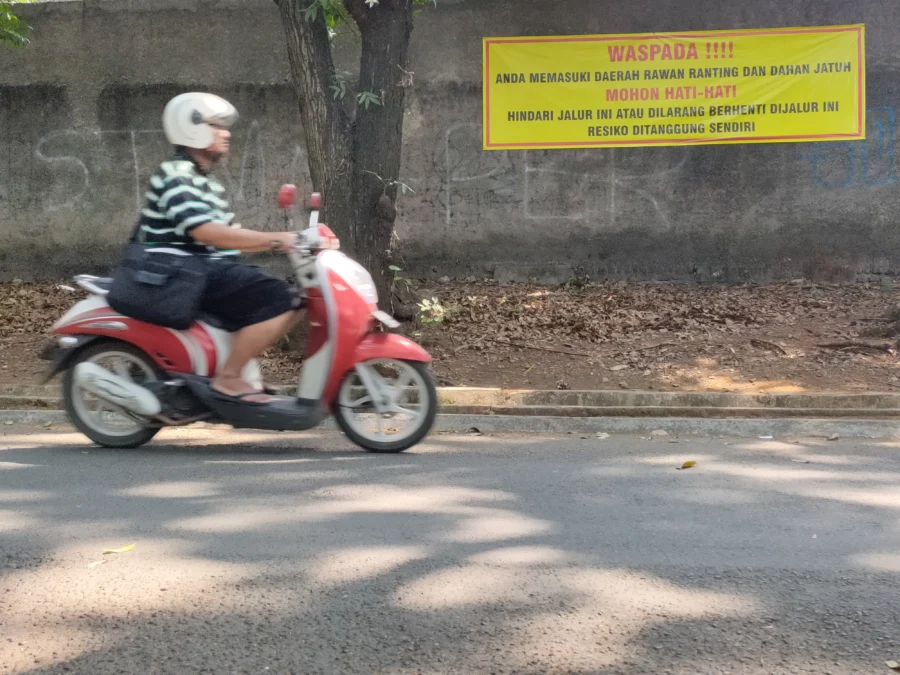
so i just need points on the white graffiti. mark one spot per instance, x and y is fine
(78, 158)
(137, 171)
(97, 168)
(573, 186)
(61, 161)
(459, 175)
(253, 147)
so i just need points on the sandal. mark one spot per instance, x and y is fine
(239, 398)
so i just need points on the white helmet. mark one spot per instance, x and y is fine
(187, 117)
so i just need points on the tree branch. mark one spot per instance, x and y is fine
(358, 10)
(325, 122)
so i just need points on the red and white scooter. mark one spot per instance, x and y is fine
(125, 379)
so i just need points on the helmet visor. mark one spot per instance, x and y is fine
(221, 119)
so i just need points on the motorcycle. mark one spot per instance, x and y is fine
(124, 380)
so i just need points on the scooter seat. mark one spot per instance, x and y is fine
(96, 285)
(210, 320)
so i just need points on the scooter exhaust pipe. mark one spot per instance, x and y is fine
(116, 390)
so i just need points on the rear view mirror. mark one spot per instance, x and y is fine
(315, 200)
(287, 196)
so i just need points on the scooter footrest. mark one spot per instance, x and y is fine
(282, 414)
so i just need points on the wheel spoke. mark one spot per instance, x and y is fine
(107, 414)
(403, 411)
(397, 387)
(103, 406)
(121, 368)
(381, 434)
(358, 402)
(375, 385)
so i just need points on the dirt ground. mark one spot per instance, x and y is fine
(796, 336)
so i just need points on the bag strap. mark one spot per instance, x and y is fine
(135, 233)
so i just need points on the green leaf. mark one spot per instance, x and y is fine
(341, 84)
(334, 12)
(13, 31)
(311, 12)
(368, 98)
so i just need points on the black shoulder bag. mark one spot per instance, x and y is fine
(161, 288)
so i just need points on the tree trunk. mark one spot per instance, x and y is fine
(378, 136)
(355, 165)
(327, 128)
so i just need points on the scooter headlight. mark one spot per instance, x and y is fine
(355, 276)
(363, 284)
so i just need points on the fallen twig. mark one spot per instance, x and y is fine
(659, 346)
(522, 345)
(857, 347)
(770, 346)
(470, 345)
(21, 339)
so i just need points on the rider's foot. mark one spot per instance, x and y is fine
(236, 387)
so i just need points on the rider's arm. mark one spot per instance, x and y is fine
(187, 208)
(247, 241)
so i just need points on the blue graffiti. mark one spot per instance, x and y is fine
(868, 163)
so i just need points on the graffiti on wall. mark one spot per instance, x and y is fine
(461, 186)
(575, 186)
(115, 165)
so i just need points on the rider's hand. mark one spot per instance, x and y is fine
(283, 241)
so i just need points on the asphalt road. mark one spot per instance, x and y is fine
(258, 553)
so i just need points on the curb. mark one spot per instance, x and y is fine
(661, 412)
(559, 426)
(33, 417)
(485, 400)
(618, 399)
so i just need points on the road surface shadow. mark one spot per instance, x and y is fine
(471, 555)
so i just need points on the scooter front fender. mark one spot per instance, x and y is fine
(389, 346)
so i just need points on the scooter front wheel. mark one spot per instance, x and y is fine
(386, 405)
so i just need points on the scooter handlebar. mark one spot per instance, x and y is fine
(305, 242)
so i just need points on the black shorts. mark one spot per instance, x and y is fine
(242, 295)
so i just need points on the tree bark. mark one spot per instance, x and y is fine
(326, 126)
(378, 136)
(354, 164)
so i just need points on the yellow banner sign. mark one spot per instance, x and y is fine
(741, 86)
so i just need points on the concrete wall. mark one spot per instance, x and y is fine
(80, 132)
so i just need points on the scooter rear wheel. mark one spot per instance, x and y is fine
(105, 426)
(396, 382)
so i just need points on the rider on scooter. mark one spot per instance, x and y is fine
(186, 210)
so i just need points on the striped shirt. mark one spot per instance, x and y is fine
(180, 199)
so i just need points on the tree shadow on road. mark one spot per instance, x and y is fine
(470, 555)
